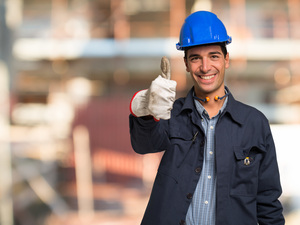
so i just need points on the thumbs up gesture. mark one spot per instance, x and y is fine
(158, 100)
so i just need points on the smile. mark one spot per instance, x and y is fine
(207, 77)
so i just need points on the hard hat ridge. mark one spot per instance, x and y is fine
(202, 27)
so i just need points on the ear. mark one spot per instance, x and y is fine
(227, 61)
(186, 64)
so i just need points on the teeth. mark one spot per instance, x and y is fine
(207, 77)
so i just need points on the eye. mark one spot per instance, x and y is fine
(215, 56)
(195, 59)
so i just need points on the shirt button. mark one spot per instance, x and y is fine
(209, 177)
(202, 143)
(198, 170)
(189, 196)
(211, 127)
(206, 202)
(182, 222)
(211, 152)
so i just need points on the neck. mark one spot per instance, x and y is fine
(214, 97)
(213, 102)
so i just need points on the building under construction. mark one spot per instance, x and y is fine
(68, 71)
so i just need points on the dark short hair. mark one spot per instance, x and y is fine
(221, 44)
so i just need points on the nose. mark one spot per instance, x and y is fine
(205, 66)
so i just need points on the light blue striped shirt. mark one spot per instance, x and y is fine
(202, 210)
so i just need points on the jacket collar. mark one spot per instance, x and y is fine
(234, 108)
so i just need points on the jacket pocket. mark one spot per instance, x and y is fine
(181, 147)
(244, 178)
(164, 174)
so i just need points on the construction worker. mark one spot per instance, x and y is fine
(219, 165)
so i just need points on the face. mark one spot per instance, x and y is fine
(207, 66)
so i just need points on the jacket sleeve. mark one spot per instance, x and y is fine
(269, 208)
(148, 136)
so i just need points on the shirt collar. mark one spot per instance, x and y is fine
(233, 107)
(200, 108)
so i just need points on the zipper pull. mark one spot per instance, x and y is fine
(195, 135)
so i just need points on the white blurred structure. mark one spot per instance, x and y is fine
(286, 138)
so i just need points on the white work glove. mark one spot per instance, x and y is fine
(158, 100)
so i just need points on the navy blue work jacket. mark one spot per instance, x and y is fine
(247, 189)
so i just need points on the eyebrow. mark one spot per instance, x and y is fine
(210, 53)
(193, 55)
(217, 52)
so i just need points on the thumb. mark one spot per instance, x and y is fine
(165, 68)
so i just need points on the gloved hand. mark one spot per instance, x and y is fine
(158, 100)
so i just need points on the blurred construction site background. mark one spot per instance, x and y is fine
(68, 69)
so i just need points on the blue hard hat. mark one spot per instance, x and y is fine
(200, 28)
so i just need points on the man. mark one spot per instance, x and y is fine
(219, 165)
